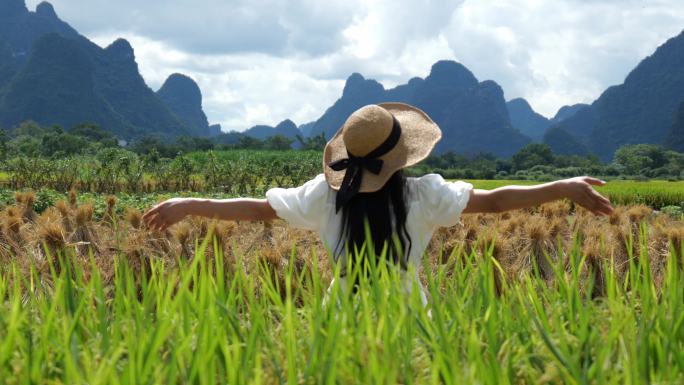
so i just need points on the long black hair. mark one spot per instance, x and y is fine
(385, 212)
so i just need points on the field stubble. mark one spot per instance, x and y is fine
(521, 241)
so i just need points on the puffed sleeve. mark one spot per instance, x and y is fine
(440, 203)
(303, 207)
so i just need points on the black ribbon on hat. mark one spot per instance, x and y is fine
(351, 183)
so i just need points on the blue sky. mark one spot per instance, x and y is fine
(262, 61)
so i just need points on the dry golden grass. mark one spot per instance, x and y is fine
(134, 218)
(73, 198)
(522, 241)
(111, 206)
(25, 203)
(675, 236)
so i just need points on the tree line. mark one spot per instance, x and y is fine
(536, 161)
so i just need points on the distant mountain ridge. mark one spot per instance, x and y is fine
(525, 119)
(21, 28)
(7, 67)
(286, 128)
(182, 95)
(472, 114)
(641, 110)
(675, 138)
(52, 75)
(537, 126)
(567, 111)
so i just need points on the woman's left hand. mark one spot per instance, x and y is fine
(580, 191)
(166, 214)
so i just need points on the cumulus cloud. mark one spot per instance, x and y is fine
(278, 27)
(239, 91)
(561, 52)
(262, 61)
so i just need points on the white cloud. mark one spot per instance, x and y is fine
(278, 27)
(560, 52)
(239, 91)
(259, 62)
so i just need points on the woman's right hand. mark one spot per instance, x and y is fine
(166, 213)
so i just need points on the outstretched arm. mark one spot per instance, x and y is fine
(578, 190)
(171, 211)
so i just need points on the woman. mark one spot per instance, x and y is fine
(362, 180)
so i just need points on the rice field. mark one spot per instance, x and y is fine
(653, 193)
(551, 295)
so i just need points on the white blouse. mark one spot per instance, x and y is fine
(432, 202)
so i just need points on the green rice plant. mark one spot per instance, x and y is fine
(197, 321)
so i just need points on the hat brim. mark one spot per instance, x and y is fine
(419, 134)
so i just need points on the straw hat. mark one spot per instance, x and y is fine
(404, 134)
